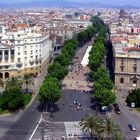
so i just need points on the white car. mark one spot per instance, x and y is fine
(132, 127)
(137, 138)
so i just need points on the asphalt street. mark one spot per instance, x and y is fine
(126, 117)
(66, 111)
(22, 128)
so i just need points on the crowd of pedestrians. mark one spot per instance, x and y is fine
(78, 75)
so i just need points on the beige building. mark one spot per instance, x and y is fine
(126, 66)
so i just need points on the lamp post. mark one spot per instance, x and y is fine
(42, 134)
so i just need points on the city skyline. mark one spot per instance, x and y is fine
(114, 2)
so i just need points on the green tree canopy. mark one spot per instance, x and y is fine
(13, 83)
(57, 71)
(107, 129)
(90, 125)
(49, 91)
(104, 97)
(13, 99)
(134, 97)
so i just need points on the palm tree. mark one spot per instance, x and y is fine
(89, 125)
(107, 129)
(28, 81)
(118, 136)
(12, 83)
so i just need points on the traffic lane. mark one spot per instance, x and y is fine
(126, 118)
(23, 128)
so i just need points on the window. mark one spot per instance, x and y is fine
(31, 52)
(31, 56)
(36, 51)
(18, 53)
(121, 80)
(25, 58)
(134, 82)
(122, 69)
(19, 42)
(25, 47)
(122, 62)
(18, 59)
(135, 62)
(18, 35)
(135, 69)
(18, 48)
(25, 52)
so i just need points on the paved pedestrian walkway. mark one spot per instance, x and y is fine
(78, 77)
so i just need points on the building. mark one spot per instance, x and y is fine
(23, 50)
(126, 65)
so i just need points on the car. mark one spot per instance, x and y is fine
(117, 110)
(132, 127)
(116, 105)
(137, 138)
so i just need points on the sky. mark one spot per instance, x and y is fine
(118, 2)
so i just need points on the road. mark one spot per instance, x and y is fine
(20, 125)
(22, 129)
(126, 117)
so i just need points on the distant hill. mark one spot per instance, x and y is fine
(66, 3)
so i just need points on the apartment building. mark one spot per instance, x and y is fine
(23, 50)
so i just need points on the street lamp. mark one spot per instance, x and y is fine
(42, 134)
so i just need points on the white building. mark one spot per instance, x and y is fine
(24, 50)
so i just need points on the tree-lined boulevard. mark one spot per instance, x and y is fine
(69, 93)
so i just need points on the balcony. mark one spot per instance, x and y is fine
(31, 62)
(37, 60)
(19, 64)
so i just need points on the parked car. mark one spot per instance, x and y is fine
(132, 127)
(117, 110)
(137, 138)
(116, 105)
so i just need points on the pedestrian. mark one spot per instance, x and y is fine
(71, 104)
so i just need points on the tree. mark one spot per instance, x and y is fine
(62, 60)
(104, 97)
(13, 99)
(118, 136)
(1, 83)
(28, 81)
(134, 97)
(57, 71)
(107, 129)
(90, 125)
(49, 91)
(105, 82)
(13, 83)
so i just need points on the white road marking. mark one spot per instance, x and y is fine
(35, 128)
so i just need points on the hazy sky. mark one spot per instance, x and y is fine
(120, 2)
